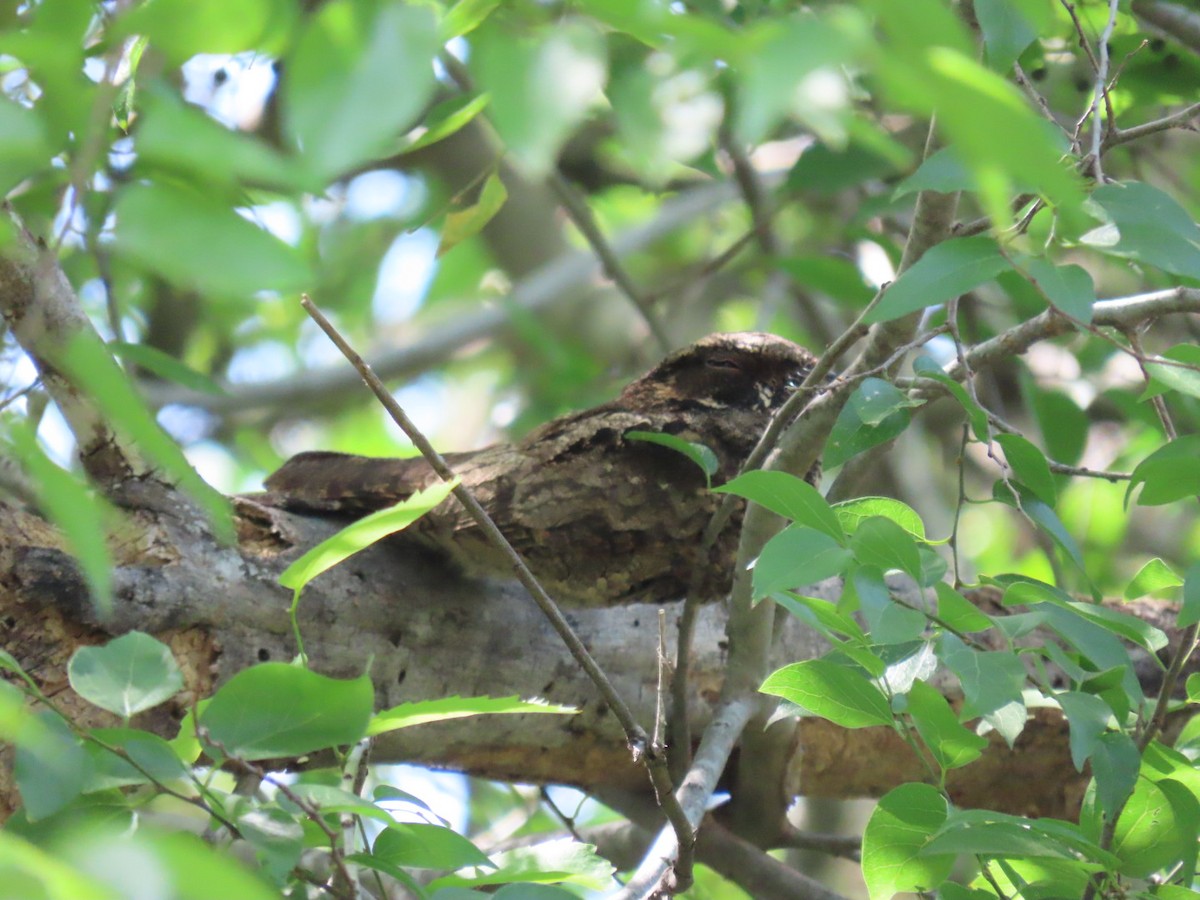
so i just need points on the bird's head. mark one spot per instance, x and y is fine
(746, 371)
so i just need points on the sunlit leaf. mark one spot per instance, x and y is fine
(127, 675)
(797, 556)
(420, 712)
(948, 270)
(952, 744)
(852, 513)
(159, 226)
(1146, 224)
(880, 542)
(899, 829)
(788, 496)
(362, 534)
(278, 710)
(541, 87)
(468, 222)
(1152, 578)
(837, 693)
(1168, 474)
(358, 77)
(1182, 378)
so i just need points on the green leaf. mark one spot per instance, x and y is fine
(779, 54)
(564, 861)
(958, 612)
(469, 222)
(26, 863)
(995, 834)
(1189, 613)
(358, 78)
(407, 715)
(50, 767)
(1006, 31)
(175, 137)
(888, 620)
(24, 149)
(74, 509)
(946, 271)
(1166, 377)
(86, 361)
(159, 226)
(901, 826)
(155, 759)
(880, 542)
(363, 533)
(464, 17)
(127, 675)
(1152, 578)
(852, 513)
(851, 435)
(1042, 516)
(1168, 474)
(180, 29)
(422, 846)
(797, 556)
(276, 836)
(837, 693)
(951, 744)
(164, 366)
(990, 679)
(1149, 835)
(541, 87)
(278, 710)
(1030, 466)
(1069, 288)
(876, 399)
(447, 118)
(1115, 762)
(1146, 224)
(1088, 717)
(942, 171)
(1121, 624)
(824, 616)
(839, 278)
(701, 454)
(786, 495)
(1063, 424)
(927, 368)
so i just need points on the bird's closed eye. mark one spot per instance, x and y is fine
(723, 362)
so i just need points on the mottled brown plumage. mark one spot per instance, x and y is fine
(599, 518)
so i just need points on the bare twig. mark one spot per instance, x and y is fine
(1181, 119)
(635, 735)
(581, 215)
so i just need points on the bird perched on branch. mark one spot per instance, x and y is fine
(600, 517)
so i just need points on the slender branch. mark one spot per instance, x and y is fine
(639, 744)
(833, 844)
(1181, 119)
(581, 215)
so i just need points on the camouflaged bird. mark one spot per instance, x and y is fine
(600, 518)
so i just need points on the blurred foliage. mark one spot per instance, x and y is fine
(195, 166)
